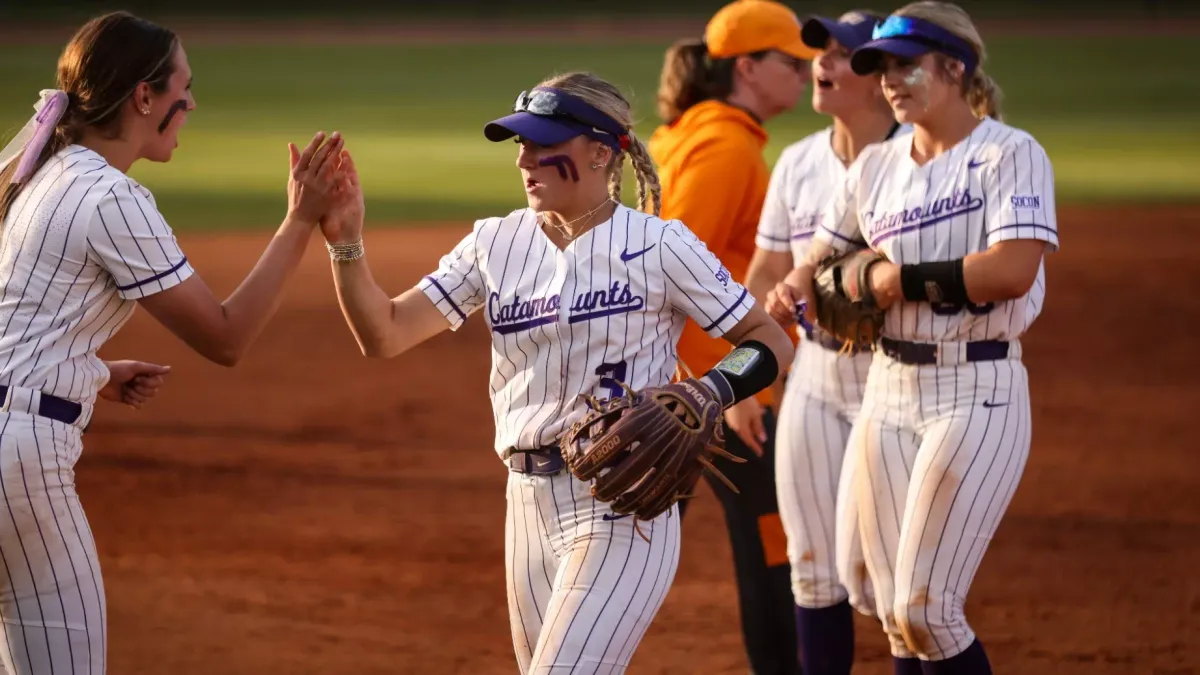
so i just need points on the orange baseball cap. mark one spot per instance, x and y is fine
(748, 26)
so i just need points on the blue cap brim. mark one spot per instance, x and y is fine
(537, 128)
(817, 30)
(868, 58)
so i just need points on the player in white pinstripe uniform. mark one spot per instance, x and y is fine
(579, 292)
(824, 386)
(963, 210)
(82, 245)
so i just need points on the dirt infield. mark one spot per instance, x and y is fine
(315, 512)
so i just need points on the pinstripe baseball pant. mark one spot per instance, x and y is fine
(942, 448)
(52, 602)
(583, 586)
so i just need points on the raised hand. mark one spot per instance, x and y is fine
(133, 382)
(311, 181)
(343, 222)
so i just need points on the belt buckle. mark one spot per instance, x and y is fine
(536, 462)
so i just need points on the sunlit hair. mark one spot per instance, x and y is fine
(99, 70)
(981, 91)
(606, 98)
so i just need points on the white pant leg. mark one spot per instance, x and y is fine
(52, 601)
(810, 444)
(814, 475)
(884, 440)
(531, 564)
(970, 460)
(610, 583)
(850, 558)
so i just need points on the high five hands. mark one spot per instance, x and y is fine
(323, 188)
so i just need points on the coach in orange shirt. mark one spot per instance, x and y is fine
(714, 96)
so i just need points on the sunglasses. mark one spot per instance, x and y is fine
(550, 103)
(797, 64)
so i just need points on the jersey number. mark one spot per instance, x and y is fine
(610, 373)
(948, 309)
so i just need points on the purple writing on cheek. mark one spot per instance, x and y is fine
(564, 164)
(181, 104)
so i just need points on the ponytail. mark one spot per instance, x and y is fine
(983, 95)
(684, 79)
(9, 191)
(689, 76)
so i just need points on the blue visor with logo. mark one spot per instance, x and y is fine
(549, 116)
(852, 33)
(911, 38)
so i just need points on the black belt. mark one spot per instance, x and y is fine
(544, 461)
(824, 338)
(922, 353)
(53, 407)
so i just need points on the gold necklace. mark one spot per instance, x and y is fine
(563, 229)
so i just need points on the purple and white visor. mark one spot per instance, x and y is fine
(910, 38)
(851, 34)
(550, 116)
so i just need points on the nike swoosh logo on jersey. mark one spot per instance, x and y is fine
(612, 516)
(976, 163)
(626, 256)
(989, 404)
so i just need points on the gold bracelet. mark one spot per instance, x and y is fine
(344, 253)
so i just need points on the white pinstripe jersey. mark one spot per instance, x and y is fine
(610, 306)
(806, 178)
(995, 185)
(81, 243)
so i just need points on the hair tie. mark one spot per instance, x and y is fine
(32, 138)
(624, 141)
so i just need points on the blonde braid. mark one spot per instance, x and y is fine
(649, 189)
(615, 174)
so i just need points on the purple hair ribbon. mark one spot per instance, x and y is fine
(32, 138)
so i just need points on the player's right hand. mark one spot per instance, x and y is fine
(311, 181)
(794, 293)
(343, 223)
(781, 304)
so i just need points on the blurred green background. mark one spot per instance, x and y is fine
(1118, 117)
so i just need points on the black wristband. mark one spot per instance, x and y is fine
(940, 282)
(747, 370)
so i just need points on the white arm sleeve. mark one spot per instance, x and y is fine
(839, 227)
(129, 238)
(698, 284)
(1020, 195)
(774, 224)
(456, 288)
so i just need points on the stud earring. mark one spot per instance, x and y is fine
(145, 111)
(596, 166)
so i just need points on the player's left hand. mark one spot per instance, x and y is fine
(884, 278)
(133, 382)
(745, 418)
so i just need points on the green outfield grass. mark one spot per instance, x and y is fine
(1118, 123)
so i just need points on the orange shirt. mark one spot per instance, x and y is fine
(714, 179)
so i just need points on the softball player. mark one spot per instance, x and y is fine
(579, 293)
(963, 210)
(824, 386)
(82, 244)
